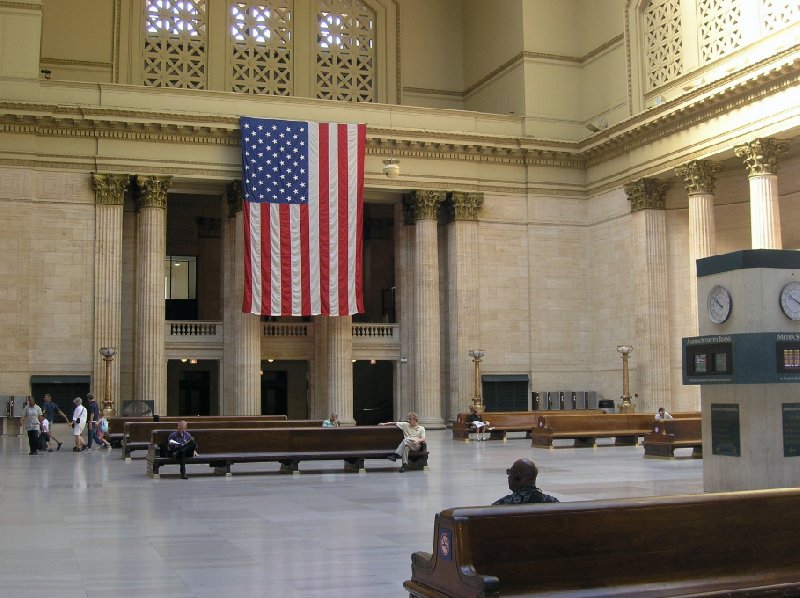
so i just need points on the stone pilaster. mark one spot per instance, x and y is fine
(426, 359)
(651, 345)
(242, 342)
(150, 366)
(761, 160)
(109, 199)
(699, 177)
(463, 331)
(320, 402)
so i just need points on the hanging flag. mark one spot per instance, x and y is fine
(303, 196)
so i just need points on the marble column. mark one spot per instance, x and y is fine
(109, 199)
(463, 327)
(338, 337)
(761, 160)
(426, 359)
(150, 366)
(651, 342)
(699, 179)
(404, 306)
(242, 332)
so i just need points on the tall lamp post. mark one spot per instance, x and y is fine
(108, 405)
(626, 406)
(477, 399)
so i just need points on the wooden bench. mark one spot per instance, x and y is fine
(727, 544)
(221, 448)
(137, 434)
(625, 428)
(116, 424)
(670, 434)
(503, 422)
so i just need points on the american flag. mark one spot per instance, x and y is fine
(303, 184)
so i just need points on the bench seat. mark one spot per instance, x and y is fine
(723, 544)
(137, 434)
(221, 448)
(666, 436)
(502, 422)
(625, 428)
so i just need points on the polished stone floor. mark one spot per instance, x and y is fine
(90, 525)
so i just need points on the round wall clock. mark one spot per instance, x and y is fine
(790, 300)
(719, 304)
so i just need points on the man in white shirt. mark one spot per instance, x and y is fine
(662, 415)
(413, 438)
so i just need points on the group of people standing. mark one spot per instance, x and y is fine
(37, 422)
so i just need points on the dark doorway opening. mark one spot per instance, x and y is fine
(274, 393)
(505, 392)
(63, 390)
(373, 391)
(194, 396)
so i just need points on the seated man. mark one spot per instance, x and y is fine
(180, 445)
(475, 422)
(333, 422)
(413, 438)
(662, 414)
(522, 483)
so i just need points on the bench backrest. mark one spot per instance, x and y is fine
(140, 431)
(520, 419)
(680, 428)
(612, 543)
(256, 440)
(641, 422)
(116, 424)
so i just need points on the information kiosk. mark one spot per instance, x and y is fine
(747, 360)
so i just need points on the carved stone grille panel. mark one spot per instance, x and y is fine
(777, 14)
(261, 46)
(175, 44)
(662, 20)
(345, 51)
(720, 28)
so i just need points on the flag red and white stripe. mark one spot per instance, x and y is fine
(303, 188)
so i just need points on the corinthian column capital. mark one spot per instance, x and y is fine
(110, 188)
(760, 156)
(699, 176)
(423, 204)
(235, 197)
(152, 191)
(647, 194)
(463, 206)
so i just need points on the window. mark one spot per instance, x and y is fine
(261, 47)
(180, 277)
(175, 44)
(345, 51)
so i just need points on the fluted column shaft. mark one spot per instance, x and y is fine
(699, 179)
(427, 343)
(761, 160)
(339, 338)
(463, 331)
(109, 199)
(765, 213)
(404, 274)
(150, 368)
(649, 226)
(243, 346)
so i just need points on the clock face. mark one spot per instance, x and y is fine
(719, 304)
(790, 300)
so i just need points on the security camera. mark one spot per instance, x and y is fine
(391, 168)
